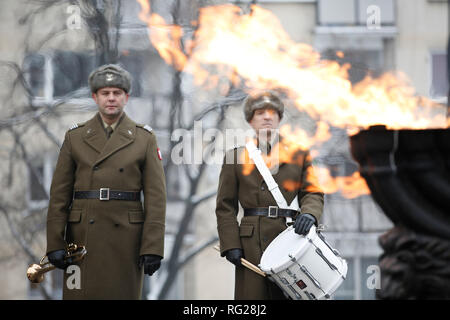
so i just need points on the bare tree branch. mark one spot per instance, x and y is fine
(24, 246)
(196, 250)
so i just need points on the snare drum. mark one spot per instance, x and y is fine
(304, 267)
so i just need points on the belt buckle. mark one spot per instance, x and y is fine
(104, 194)
(273, 212)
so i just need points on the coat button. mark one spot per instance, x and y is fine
(121, 169)
(116, 224)
(262, 188)
(91, 221)
(96, 168)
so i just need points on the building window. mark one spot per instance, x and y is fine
(60, 73)
(34, 66)
(359, 284)
(40, 179)
(355, 12)
(54, 75)
(362, 62)
(439, 79)
(134, 62)
(70, 71)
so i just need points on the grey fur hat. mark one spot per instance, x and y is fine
(110, 75)
(265, 99)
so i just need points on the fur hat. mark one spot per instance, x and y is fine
(266, 99)
(110, 75)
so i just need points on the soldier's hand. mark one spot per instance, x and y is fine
(234, 256)
(56, 258)
(303, 223)
(151, 263)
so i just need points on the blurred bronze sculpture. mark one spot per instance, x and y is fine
(414, 266)
(408, 173)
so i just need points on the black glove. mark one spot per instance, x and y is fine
(56, 258)
(234, 256)
(151, 263)
(303, 223)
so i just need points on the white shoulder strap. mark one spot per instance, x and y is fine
(255, 155)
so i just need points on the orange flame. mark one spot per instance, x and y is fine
(166, 38)
(256, 48)
(291, 185)
(253, 51)
(247, 164)
(350, 187)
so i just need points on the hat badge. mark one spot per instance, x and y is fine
(109, 77)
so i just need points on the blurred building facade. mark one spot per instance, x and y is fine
(374, 35)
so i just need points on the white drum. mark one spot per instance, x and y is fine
(304, 267)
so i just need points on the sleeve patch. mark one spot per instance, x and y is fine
(159, 154)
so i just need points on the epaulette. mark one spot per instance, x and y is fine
(76, 125)
(146, 127)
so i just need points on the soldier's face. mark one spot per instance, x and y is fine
(110, 101)
(264, 120)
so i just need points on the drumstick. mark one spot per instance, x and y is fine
(248, 264)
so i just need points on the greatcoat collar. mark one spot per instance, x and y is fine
(94, 136)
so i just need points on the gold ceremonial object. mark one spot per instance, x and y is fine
(35, 272)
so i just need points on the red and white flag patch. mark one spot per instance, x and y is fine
(159, 153)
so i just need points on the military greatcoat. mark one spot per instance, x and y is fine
(115, 232)
(255, 233)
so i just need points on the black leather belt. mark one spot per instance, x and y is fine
(106, 194)
(271, 212)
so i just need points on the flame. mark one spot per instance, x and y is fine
(320, 180)
(166, 38)
(247, 164)
(291, 185)
(339, 54)
(253, 51)
(257, 49)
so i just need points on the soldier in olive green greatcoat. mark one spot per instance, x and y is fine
(95, 198)
(256, 230)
